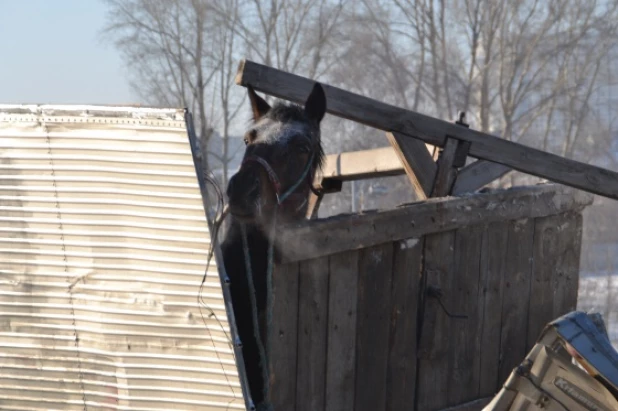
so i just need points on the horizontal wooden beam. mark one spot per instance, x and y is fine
(363, 164)
(432, 130)
(349, 232)
(478, 174)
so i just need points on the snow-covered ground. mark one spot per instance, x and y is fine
(600, 294)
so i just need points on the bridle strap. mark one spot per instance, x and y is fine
(272, 176)
(274, 179)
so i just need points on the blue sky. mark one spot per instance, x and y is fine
(52, 52)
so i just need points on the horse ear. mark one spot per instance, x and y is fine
(315, 106)
(259, 106)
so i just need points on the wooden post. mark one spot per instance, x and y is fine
(416, 160)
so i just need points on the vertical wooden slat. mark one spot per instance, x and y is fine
(401, 372)
(374, 302)
(283, 339)
(312, 330)
(341, 346)
(432, 368)
(516, 292)
(494, 254)
(546, 255)
(566, 278)
(463, 298)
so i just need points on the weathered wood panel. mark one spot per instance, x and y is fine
(283, 338)
(432, 130)
(566, 278)
(433, 350)
(445, 175)
(372, 338)
(515, 295)
(465, 345)
(546, 256)
(312, 330)
(359, 311)
(401, 372)
(493, 264)
(336, 234)
(341, 345)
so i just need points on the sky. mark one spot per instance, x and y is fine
(52, 52)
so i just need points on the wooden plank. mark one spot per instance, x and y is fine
(314, 205)
(363, 164)
(341, 346)
(374, 307)
(494, 259)
(478, 174)
(336, 234)
(417, 162)
(463, 298)
(445, 175)
(432, 130)
(546, 255)
(566, 276)
(312, 330)
(516, 293)
(283, 338)
(401, 372)
(433, 349)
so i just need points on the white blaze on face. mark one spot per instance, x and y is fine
(271, 131)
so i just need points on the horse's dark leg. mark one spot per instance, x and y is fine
(235, 268)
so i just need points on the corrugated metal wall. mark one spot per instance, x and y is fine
(103, 245)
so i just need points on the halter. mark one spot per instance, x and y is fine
(274, 179)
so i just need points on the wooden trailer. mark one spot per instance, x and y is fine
(428, 305)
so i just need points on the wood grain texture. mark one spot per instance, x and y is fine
(417, 162)
(546, 254)
(566, 276)
(432, 130)
(341, 233)
(515, 296)
(341, 344)
(363, 164)
(372, 335)
(433, 350)
(313, 205)
(445, 175)
(465, 334)
(478, 174)
(312, 331)
(493, 264)
(283, 339)
(401, 372)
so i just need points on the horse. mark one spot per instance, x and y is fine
(283, 153)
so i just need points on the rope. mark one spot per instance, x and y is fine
(263, 353)
(254, 312)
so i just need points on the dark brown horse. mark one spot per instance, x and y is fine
(283, 153)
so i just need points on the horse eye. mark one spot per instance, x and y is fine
(250, 136)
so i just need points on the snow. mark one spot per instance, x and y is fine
(600, 294)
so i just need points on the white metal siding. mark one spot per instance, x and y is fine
(103, 245)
